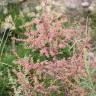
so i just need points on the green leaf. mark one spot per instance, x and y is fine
(14, 9)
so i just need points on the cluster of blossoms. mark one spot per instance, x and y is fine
(48, 37)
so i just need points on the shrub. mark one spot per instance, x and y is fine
(53, 75)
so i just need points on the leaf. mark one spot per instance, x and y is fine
(93, 70)
(86, 84)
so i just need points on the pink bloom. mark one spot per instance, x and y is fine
(44, 51)
(24, 63)
(39, 88)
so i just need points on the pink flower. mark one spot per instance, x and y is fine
(61, 45)
(24, 63)
(44, 51)
(39, 88)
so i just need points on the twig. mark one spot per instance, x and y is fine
(87, 23)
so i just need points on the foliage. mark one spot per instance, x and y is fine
(48, 40)
(93, 25)
(89, 82)
(46, 57)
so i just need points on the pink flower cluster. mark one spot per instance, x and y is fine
(48, 38)
(49, 35)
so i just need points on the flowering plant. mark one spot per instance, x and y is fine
(52, 74)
